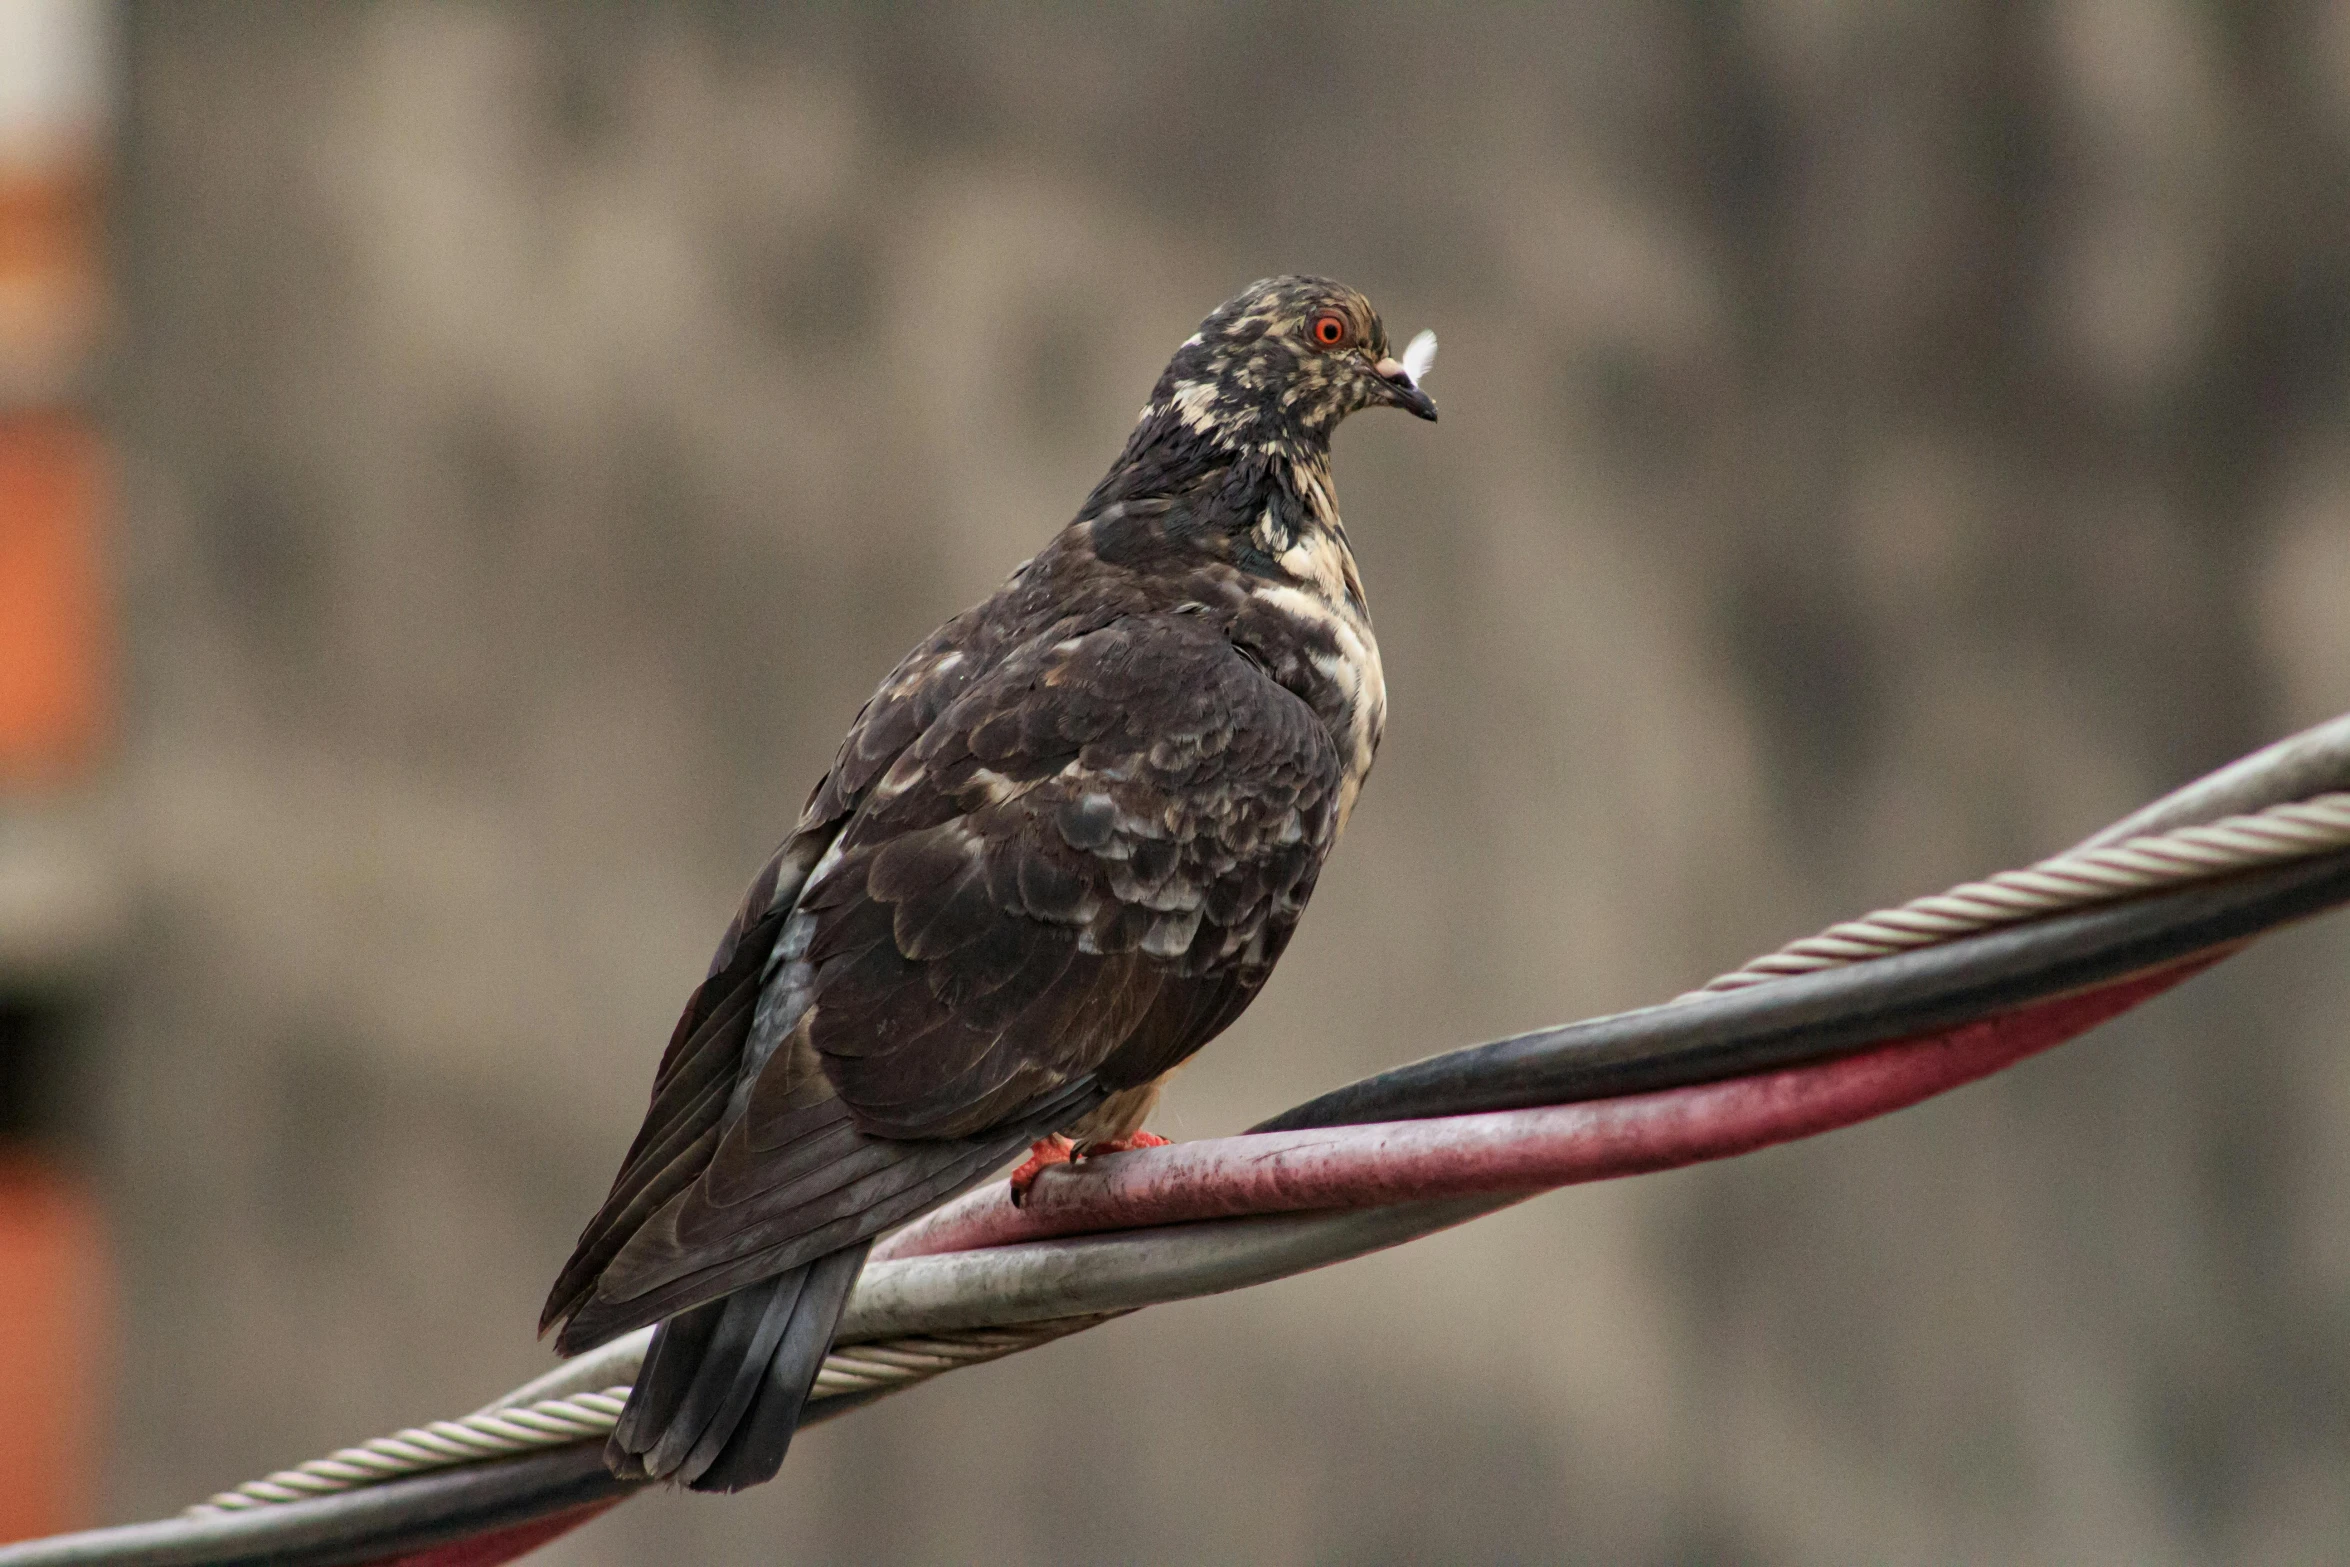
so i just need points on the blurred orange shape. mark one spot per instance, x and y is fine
(53, 663)
(52, 1316)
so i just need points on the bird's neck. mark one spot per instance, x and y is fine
(1265, 504)
(1251, 536)
(1301, 538)
(1181, 442)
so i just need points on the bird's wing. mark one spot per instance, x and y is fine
(1075, 876)
(1066, 875)
(695, 1079)
(694, 1088)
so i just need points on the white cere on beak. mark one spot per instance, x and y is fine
(1419, 357)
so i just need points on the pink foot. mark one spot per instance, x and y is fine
(1042, 1156)
(1124, 1144)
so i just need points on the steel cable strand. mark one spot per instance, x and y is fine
(2077, 878)
(850, 1371)
(547, 1423)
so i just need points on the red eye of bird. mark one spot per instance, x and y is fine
(1329, 329)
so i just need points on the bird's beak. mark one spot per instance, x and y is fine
(1402, 390)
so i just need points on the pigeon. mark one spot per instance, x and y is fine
(1060, 849)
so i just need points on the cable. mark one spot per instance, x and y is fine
(2086, 877)
(1866, 1016)
(1817, 1015)
(854, 1371)
(2075, 879)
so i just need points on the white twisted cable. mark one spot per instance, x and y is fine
(557, 1422)
(901, 1362)
(2075, 879)
(499, 1434)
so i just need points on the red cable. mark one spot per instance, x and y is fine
(508, 1544)
(1514, 1150)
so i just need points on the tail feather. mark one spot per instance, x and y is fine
(723, 1384)
(727, 1373)
(765, 1432)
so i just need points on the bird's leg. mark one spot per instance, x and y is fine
(1042, 1155)
(1126, 1144)
(1056, 1149)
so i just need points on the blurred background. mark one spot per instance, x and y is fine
(461, 466)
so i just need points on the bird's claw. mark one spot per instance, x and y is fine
(1056, 1149)
(1125, 1144)
(1042, 1156)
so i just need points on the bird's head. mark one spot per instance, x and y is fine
(1281, 363)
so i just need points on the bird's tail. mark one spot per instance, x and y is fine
(723, 1384)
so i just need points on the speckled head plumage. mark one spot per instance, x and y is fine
(1281, 363)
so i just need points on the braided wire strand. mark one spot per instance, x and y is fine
(500, 1433)
(557, 1422)
(2075, 879)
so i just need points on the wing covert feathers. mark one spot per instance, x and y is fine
(1091, 852)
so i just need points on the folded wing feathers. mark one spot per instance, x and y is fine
(976, 963)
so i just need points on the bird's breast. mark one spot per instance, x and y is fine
(1310, 615)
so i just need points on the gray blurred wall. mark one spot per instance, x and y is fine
(1881, 443)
